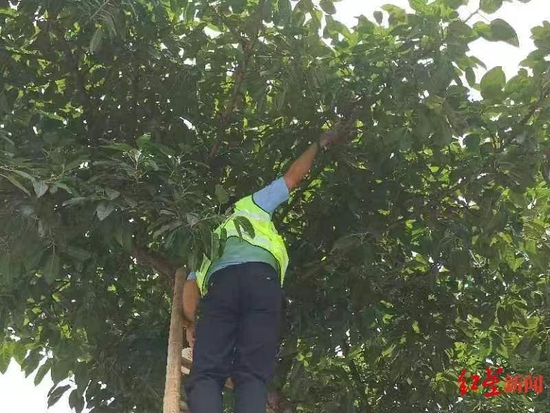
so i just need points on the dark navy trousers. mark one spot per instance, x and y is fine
(237, 336)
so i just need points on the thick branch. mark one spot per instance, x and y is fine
(155, 260)
(80, 82)
(72, 63)
(239, 77)
(536, 106)
(472, 15)
(136, 89)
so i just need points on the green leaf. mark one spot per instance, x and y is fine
(492, 83)
(484, 30)
(345, 243)
(5, 357)
(459, 28)
(40, 188)
(62, 186)
(18, 184)
(305, 6)
(244, 223)
(112, 193)
(328, 6)
(471, 77)
(334, 28)
(31, 362)
(60, 370)
(498, 30)
(3, 104)
(5, 264)
(104, 209)
(124, 236)
(223, 241)
(78, 253)
(397, 14)
(74, 201)
(24, 175)
(214, 246)
(518, 199)
(221, 194)
(51, 268)
(76, 401)
(168, 227)
(143, 140)
(19, 350)
(41, 373)
(122, 147)
(285, 10)
(192, 219)
(130, 202)
(490, 6)
(502, 31)
(378, 16)
(267, 11)
(190, 12)
(525, 346)
(418, 5)
(56, 394)
(472, 142)
(238, 6)
(96, 40)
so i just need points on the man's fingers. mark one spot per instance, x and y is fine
(344, 130)
(190, 336)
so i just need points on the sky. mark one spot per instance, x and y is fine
(19, 395)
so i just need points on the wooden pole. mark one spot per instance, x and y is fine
(172, 387)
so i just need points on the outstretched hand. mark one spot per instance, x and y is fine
(337, 134)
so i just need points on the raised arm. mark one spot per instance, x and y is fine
(301, 166)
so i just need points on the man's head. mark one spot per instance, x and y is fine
(228, 206)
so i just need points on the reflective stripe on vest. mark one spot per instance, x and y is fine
(265, 236)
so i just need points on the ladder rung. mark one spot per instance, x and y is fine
(187, 360)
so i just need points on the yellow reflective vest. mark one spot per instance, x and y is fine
(265, 236)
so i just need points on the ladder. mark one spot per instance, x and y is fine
(179, 360)
(186, 361)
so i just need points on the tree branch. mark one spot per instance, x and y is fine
(80, 84)
(545, 92)
(535, 107)
(239, 77)
(154, 260)
(472, 15)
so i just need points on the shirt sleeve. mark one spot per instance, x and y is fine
(273, 195)
(192, 276)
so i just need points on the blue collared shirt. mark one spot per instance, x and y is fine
(238, 251)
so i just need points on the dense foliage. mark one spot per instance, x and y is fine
(417, 250)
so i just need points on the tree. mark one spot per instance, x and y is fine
(417, 250)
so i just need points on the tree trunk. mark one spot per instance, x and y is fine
(172, 386)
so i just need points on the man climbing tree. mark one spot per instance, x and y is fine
(237, 332)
